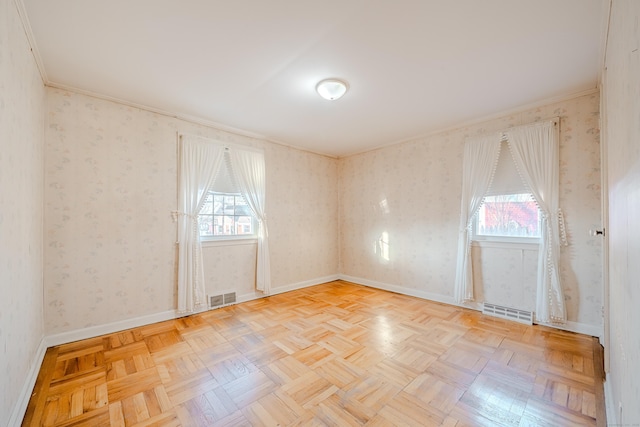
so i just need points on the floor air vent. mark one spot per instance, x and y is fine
(508, 313)
(220, 300)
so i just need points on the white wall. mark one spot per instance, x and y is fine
(411, 191)
(110, 175)
(622, 141)
(21, 190)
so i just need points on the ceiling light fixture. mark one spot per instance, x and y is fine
(332, 89)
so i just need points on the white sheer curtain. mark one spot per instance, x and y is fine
(535, 152)
(479, 164)
(200, 161)
(249, 175)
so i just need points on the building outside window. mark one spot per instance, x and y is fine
(225, 214)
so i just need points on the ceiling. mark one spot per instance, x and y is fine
(414, 66)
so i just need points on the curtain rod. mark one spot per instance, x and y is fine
(226, 145)
(555, 120)
(503, 132)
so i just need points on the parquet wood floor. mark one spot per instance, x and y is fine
(336, 354)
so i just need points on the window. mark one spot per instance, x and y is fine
(225, 214)
(509, 212)
(508, 216)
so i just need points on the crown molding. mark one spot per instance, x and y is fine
(483, 119)
(26, 26)
(184, 117)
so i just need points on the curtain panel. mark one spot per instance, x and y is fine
(199, 163)
(248, 171)
(479, 165)
(535, 152)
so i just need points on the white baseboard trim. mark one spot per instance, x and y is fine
(399, 289)
(610, 406)
(25, 394)
(580, 328)
(288, 288)
(121, 325)
(109, 328)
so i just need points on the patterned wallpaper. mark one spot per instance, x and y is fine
(21, 192)
(621, 92)
(302, 192)
(110, 176)
(406, 198)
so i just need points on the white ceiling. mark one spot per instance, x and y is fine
(414, 66)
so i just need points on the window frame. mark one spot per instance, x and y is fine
(484, 240)
(220, 240)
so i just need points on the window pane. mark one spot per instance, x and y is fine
(243, 209)
(218, 224)
(229, 205)
(205, 225)
(207, 208)
(244, 225)
(514, 215)
(226, 215)
(228, 225)
(218, 202)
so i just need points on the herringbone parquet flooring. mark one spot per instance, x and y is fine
(336, 354)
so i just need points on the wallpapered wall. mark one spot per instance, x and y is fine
(21, 190)
(400, 212)
(110, 176)
(621, 92)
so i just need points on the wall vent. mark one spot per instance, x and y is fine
(220, 300)
(508, 313)
(230, 298)
(215, 301)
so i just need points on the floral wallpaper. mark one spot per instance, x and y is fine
(400, 205)
(302, 193)
(111, 184)
(621, 93)
(21, 192)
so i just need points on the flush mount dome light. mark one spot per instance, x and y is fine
(332, 89)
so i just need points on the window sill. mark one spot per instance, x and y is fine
(515, 244)
(229, 241)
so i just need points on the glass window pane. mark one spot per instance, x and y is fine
(207, 207)
(229, 205)
(227, 215)
(205, 225)
(243, 210)
(244, 225)
(218, 225)
(515, 215)
(228, 225)
(218, 203)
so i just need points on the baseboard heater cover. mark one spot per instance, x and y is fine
(222, 299)
(508, 313)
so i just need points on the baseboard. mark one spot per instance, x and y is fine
(25, 394)
(108, 328)
(94, 331)
(612, 413)
(580, 328)
(399, 289)
(288, 288)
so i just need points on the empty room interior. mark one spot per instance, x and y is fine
(343, 213)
